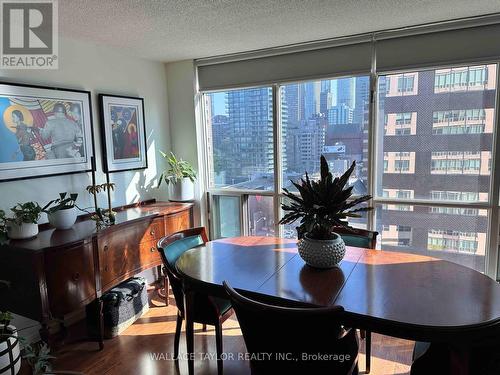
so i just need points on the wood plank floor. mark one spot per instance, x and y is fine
(146, 348)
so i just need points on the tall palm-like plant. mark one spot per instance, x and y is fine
(324, 204)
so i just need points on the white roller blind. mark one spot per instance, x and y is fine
(444, 47)
(333, 61)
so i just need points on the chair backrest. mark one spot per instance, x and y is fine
(291, 338)
(354, 237)
(358, 237)
(171, 248)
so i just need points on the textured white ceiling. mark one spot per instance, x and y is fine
(170, 30)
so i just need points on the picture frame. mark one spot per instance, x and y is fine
(44, 131)
(123, 133)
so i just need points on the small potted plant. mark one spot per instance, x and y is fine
(322, 205)
(24, 223)
(10, 354)
(180, 177)
(62, 212)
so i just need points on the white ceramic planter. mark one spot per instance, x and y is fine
(23, 231)
(181, 191)
(322, 253)
(63, 219)
(10, 346)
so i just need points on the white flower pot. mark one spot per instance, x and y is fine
(10, 346)
(63, 219)
(181, 191)
(321, 253)
(22, 231)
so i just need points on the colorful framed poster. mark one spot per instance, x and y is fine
(123, 133)
(44, 131)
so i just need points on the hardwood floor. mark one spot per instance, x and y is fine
(146, 348)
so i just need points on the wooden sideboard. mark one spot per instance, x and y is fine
(62, 271)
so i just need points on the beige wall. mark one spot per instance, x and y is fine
(100, 69)
(182, 118)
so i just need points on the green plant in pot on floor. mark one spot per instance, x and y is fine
(24, 222)
(179, 177)
(10, 352)
(321, 206)
(62, 212)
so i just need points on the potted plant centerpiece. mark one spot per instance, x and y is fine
(62, 212)
(10, 353)
(180, 177)
(24, 223)
(322, 205)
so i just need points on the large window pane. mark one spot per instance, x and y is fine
(328, 117)
(260, 215)
(226, 216)
(451, 233)
(240, 138)
(435, 134)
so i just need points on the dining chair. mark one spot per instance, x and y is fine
(358, 238)
(294, 340)
(368, 240)
(207, 309)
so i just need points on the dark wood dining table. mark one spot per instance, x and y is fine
(397, 294)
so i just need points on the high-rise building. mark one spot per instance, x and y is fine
(437, 138)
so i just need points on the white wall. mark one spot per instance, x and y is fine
(100, 69)
(181, 105)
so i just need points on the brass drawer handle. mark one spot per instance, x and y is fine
(152, 232)
(105, 248)
(153, 249)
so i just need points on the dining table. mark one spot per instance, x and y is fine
(454, 308)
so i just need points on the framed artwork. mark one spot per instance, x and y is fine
(123, 133)
(44, 131)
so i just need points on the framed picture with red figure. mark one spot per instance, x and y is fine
(123, 132)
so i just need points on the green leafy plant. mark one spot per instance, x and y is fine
(177, 170)
(5, 318)
(64, 202)
(38, 356)
(324, 204)
(28, 212)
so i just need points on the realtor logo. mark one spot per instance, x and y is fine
(29, 34)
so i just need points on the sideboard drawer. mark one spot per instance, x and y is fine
(154, 231)
(71, 282)
(177, 222)
(149, 254)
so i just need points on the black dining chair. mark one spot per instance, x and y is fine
(207, 310)
(358, 238)
(295, 340)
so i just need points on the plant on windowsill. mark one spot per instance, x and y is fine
(322, 205)
(62, 212)
(179, 177)
(24, 223)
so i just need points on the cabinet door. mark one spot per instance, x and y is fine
(70, 278)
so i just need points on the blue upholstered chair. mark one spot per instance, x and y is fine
(368, 240)
(207, 310)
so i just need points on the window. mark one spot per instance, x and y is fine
(463, 78)
(470, 121)
(330, 118)
(405, 83)
(432, 145)
(240, 134)
(451, 149)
